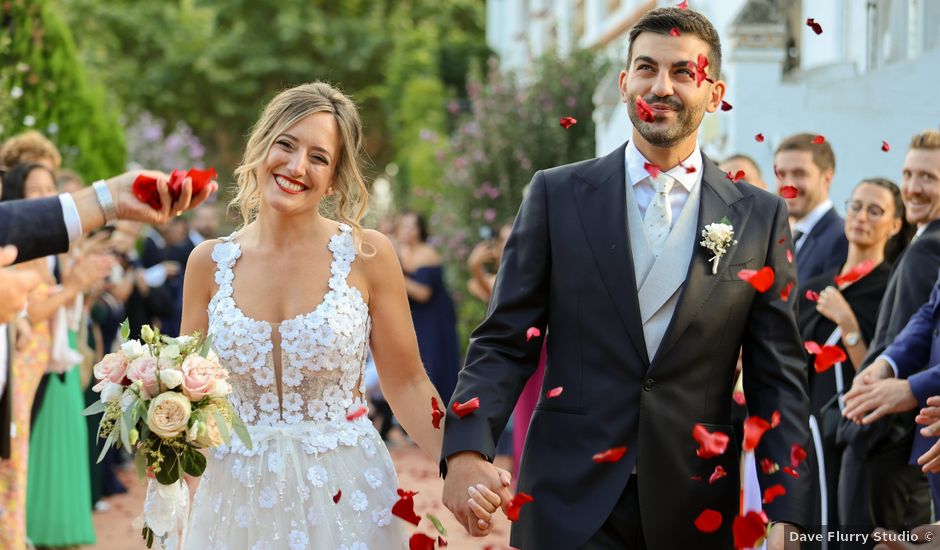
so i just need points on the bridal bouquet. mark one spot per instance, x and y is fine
(163, 399)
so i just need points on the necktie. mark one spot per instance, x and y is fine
(658, 217)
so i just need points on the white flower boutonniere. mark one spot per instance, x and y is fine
(717, 238)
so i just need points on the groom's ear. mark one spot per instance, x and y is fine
(716, 94)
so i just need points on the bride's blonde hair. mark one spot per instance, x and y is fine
(350, 199)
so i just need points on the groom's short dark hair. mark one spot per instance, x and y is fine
(663, 20)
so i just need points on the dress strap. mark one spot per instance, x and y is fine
(225, 253)
(343, 248)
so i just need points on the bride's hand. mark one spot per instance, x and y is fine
(484, 502)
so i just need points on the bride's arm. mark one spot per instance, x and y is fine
(197, 288)
(404, 382)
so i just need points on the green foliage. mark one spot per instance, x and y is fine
(512, 132)
(55, 96)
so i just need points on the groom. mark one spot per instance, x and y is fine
(643, 336)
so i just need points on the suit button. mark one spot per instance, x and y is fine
(648, 384)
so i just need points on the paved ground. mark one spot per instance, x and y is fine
(416, 472)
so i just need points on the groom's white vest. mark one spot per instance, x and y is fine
(659, 280)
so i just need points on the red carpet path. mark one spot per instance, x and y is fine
(416, 472)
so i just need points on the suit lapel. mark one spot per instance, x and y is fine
(600, 193)
(719, 199)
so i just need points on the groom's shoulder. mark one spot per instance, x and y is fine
(761, 198)
(559, 174)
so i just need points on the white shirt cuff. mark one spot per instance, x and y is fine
(73, 222)
(155, 276)
(890, 361)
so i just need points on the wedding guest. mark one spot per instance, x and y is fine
(845, 315)
(30, 147)
(818, 234)
(877, 485)
(741, 162)
(432, 309)
(483, 262)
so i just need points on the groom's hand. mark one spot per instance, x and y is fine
(464, 471)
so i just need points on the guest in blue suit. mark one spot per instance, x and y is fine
(818, 230)
(903, 377)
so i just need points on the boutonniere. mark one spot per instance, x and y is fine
(717, 238)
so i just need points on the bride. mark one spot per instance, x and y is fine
(292, 301)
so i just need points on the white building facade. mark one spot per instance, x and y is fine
(873, 75)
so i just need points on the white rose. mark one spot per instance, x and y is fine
(168, 414)
(132, 349)
(193, 431)
(221, 389)
(112, 392)
(209, 433)
(128, 398)
(171, 378)
(721, 232)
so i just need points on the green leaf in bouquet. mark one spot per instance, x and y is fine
(140, 463)
(206, 346)
(107, 445)
(223, 427)
(437, 524)
(147, 534)
(240, 430)
(194, 462)
(95, 408)
(125, 330)
(171, 351)
(170, 467)
(128, 421)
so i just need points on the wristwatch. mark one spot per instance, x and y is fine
(105, 201)
(852, 339)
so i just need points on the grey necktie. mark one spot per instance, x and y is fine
(658, 217)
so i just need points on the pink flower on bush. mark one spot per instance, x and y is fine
(111, 368)
(145, 370)
(201, 376)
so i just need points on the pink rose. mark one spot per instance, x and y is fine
(200, 377)
(111, 368)
(145, 370)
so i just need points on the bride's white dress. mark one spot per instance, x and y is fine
(306, 454)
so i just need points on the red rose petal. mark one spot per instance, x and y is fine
(775, 419)
(200, 178)
(517, 501)
(404, 507)
(696, 478)
(725, 106)
(420, 541)
(711, 444)
(738, 397)
(769, 466)
(532, 332)
(337, 496)
(717, 474)
(754, 428)
(759, 138)
(467, 407)
(812, 296)
(708, 521)
(812, 347)
(829, 356)
(789, 192)
(785, 293)
(797, 455)
(567, 122)
(790, 256)
(644, 111)
(773, 492)
(145, 187)
(675, 32)
(441, 542)
(554, 392)
(610, 455)
(356, 413)
(749, 529)
(684, 5)
(790, 471)
(652, 169)
(885, 147)
(818, 140)
(761, 279)
(437, 413)
(811, 23)
(700, 73)
(781, 240)
(736, 177)
(855, 273)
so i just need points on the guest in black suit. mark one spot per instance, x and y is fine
(644, 329)
(845, 315)
(877, 485)
(818, 230)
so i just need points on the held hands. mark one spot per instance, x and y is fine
(833, 306)
(875, 394)
(14, 285)
(129, 207)
(929, 416)
(473, 490)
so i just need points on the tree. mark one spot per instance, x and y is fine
(50, 92)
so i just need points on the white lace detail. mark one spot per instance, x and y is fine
(322, 352)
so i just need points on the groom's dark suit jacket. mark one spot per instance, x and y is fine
(568, 266)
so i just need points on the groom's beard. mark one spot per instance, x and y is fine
(687, 122)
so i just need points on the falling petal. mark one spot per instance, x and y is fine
(717, 474)
(818, 140)
(711, 444)
(644, 111)
(749, 529)
(518, 500)
(812, 296)
(773, 492)
(554, 392)
(811, 23)
(789, 192)
(357, 413)
(610, 455)
(420, 541)
(675, 32)
(797, 455)
(467, 407)
(785, 293)
(885, 147)
(761, 279)
(404, 507)
(725, 106)
(759, 138)
(567, 122)
(735, 177)
(708, 521)
(754, 428)
(532, 332)
(652, 169)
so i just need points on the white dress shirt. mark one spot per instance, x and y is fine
(809, 221)
(643, 189)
